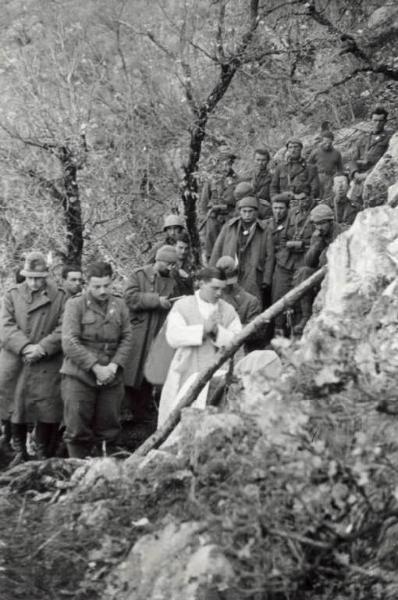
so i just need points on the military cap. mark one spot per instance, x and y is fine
(173, 221)
(35, 265)
(294, 141)
(321, 212)
(248, 202)
(167, 254)
(244, 188)
(284, 197)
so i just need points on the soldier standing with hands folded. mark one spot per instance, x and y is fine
(96, 339)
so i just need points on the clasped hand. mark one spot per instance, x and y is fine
(210, 326)
(105, 373)
(32, 353)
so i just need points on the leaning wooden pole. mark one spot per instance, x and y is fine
(192, 393)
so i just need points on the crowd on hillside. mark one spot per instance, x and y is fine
(72, 354)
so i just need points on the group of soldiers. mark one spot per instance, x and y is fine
(73, 351)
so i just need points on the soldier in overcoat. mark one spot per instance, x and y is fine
(31, 357)
(147, 295)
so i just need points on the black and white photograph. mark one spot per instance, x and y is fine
(199, 300)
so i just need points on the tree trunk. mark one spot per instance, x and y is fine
(228, 67)
(265, 317)
(72, 207)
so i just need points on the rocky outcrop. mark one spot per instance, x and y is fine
(261, 394)
(354, 331)
(383, 175)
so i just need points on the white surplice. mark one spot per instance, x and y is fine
(192, 350)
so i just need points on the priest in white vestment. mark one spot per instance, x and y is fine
(197, 327)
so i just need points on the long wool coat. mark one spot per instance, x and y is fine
(142, 294)
(255, 259)
(30, 393)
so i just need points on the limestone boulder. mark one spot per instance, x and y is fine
(262, 396)
(384, 21)
(383, 175)
(392, 195)
(354, 330)
(178, 561)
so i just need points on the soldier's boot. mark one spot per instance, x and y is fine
(78, 450)
(19, 433)
(46, 435)
(5, 440)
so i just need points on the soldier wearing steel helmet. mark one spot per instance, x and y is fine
(173, 226)
(148, 293)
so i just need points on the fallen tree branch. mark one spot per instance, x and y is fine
(204, 377)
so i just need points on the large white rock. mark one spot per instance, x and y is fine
(176, 562)
(383, 175)
(262, 396)
(354, 330)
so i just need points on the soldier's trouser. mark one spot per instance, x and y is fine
(91, 414)
(19, 434)
(282, 283)
(142, 402)
(306, 301)
(326, 186)
(46, 435)
(6, 430)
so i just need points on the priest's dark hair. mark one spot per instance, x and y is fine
(209, 273)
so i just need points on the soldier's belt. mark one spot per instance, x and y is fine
(104, 347)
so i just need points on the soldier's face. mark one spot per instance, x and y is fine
(340, 186)
(324, 227)
(224, 166)
(279, 210)
(35, 283)
(378, 122)
(74, 282)
(182, 250)
(326, 143)
(164, 267)
(230, 282)
(100, 288)
(248, 215)
(260, 161)
(294, 150)
(264, 210)
(211, 291)
(173, 231)
(304, 202)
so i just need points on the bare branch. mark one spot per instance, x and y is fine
(338, 83)
(220, 54)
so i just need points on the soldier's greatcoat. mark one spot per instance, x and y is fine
(30, 393)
